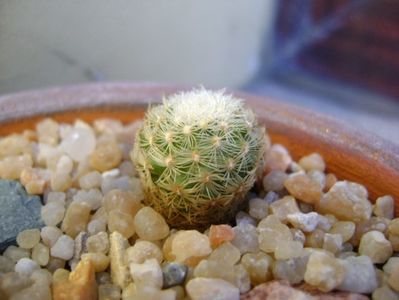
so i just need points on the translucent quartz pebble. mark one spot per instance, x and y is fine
(60, 181)
(26, 266)
(92, 198)
(274, 181)
(11, 167)
(306, 222)
(277, 158)
(106, 156)
(96, 226)
(124, 224)
(292, 269)
(79, 143)
(286, 249)
(90, 180)
(258, 208)
(360, 276)
(214, 269)
(13, 282)
(226, 253)
(374, 223)
(344, 228)
(246, 238)
(28, 238)
(271, 230)
(148, 273)
(258, 266)
(53, 213)
(393, 279)
(319, 177)
(304, 188)
(41, 254)
(143, 250)
(48, 131)
(312, 161)
(384, 293)
(384, 207)
(50, 235)
(324, 271)
(56, 197)
(173, 274)
(241, 278)
(100, 260)
(109, 292)
(34, 180)
(76, 218)
(284, 207)
(315, 239)
(63, 248)
(6, 264)
(98, 243)
(243, 218)
(13, 144)
(187, 244)
(332, 243)
(211, 288)
(219, 234)
(150, 225)
(64, 164)
(124, 201)
(376, 246)
(347, 201)
(390, 265)
(15, 253)
(298, 235)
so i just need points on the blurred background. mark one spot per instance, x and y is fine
(338, 57)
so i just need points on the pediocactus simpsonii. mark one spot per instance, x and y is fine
(197, 155)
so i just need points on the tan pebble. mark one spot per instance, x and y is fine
(288, 249)
(121, 222)
(98, 243)
(28, 238)
(258, 266)
(374, 223)
(384, 293)
(150, 225)
(189, 244)
(34, 180)
(347, 201)
(76, 218)
(106, 156)
(304, 188)
(315, 239)
(11, 167)
(277, 158)
(214, 269)
(292, 269)
(393, 279)
(81, 284)
(274, 181)
(331, 179)
(376, 246)
(100, 261)
(226, 253)
(284, 207)
(344, 228)
(123, 201)
(119, 268)
(313, 161)
(15, 253)
(394, 227)
(324, 272)
(48, 131)
(148, 273)
(271, 230)
(332, 243)
(109, 292)
(384, 207)
(211, 288)
(41, 254)
(60, 275)
(141, 251)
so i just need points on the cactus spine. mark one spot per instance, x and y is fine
(197, 156)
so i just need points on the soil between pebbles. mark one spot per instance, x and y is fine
(303, 226)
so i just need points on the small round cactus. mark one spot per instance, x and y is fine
(197, 156)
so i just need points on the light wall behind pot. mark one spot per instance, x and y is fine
(53, 42)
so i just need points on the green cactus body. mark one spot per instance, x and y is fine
(197, 156)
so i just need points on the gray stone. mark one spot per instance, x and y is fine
(173, 274)
(18, 211)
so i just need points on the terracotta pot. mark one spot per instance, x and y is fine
(349, 153)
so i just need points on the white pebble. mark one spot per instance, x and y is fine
(57, 197)
(90, 180)
(258, 208)
(52, 213)
(211, 288)
(50, 235)
(64, 164)
(91, 198)
(148, 273)
(306, 222)
(78, 143)
(96, 226)
(120, 183)
(63, 248)
(26, 266)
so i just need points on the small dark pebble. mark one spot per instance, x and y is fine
(173, 274)
(18, 211)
